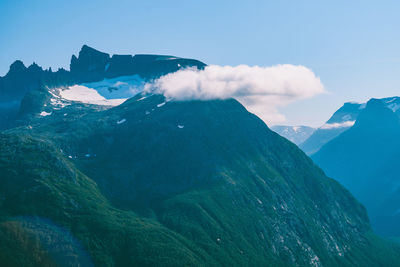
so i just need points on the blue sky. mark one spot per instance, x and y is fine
(353, 46)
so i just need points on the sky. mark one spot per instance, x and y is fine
(352, 46)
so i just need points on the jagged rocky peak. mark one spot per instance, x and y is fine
(35, 68)
(89, 60)
(16, 67)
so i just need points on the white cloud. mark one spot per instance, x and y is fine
(337, 125)
(262, 90)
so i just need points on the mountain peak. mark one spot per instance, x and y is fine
(87, 50)
(376, 103)
(89, 60)
(16, 66)
(377, 113)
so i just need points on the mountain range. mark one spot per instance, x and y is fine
(364, 159)
(90, 66)
(96, 171)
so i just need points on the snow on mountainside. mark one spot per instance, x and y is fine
(119, 87)
(393, 103)
(296, 134)
(87, 95)
(108, 92)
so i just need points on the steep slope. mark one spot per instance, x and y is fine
(53, 215)
(365, 160)
(221, 187)
(296, 134)
(340, 121)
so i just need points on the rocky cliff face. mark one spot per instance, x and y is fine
(90, 65)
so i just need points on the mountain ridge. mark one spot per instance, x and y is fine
(89, 66)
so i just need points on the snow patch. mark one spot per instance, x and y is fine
(140, 99)
(346, 117)
(87, 95)
(391, 100)
(160, 105)
(394, 107)
(44, 113)
(166, 58)
(119, 87)
(121, 121)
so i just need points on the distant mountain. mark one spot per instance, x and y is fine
(296, 134)
(100, 173)
(340, 121)
(365, 160)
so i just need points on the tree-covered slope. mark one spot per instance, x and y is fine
(156, 182)
(53, 215)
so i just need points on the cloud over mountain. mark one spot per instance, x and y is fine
(262, 90)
